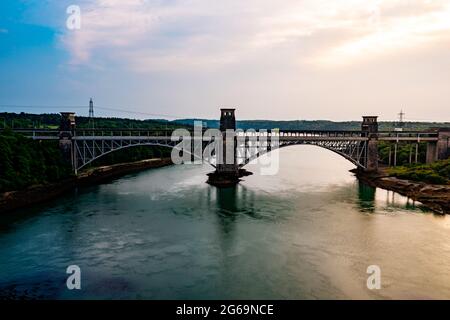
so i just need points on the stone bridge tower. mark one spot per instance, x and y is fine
(439, 150)
(227, 169)
(369, 128)
(66, 132)
(228, 128)
(443, 144)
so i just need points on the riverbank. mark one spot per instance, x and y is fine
(13, 200)
(434, 196)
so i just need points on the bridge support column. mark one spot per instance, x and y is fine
(369, 128)
(372, 155)
(443, 144)
(227, 169)
(439, 150)
(431, 155)
(416, 157)
(66, 132)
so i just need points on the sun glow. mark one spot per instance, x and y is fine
(394, 34)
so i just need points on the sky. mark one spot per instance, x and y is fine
(281, 60)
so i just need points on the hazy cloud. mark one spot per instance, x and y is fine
(192, 33)
(303, 56)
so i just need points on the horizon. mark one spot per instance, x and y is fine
(217, 119)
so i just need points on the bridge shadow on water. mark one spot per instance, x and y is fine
(230, 203)
(240, 201)
(237, 205)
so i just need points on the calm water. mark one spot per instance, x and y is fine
(309, 232)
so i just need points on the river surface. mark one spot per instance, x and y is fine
(308, 232)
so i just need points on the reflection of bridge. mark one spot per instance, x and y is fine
(83, 146)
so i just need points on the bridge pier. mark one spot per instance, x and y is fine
(443, 144)
(227, 171)
(431, 155)
(66, 132)
(369, 127)
(440, 149)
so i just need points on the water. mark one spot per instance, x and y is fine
(309, 232)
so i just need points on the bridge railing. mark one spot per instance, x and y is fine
(408, 135)
(122, 132)
(321, 133)
(41, 134)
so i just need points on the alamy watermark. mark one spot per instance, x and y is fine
(73, 282)
(374, 280)
(73, 21)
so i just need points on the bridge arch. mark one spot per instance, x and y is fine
(82, 161)
(356, 157)
(87, 151)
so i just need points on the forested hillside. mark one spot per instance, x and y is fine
(24, 162)
(28, 120)
(51, 121)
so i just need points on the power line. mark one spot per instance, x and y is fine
(36, 106)
(143, 113)
(101, 108)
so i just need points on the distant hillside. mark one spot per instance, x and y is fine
(52, 120)
(28, 120)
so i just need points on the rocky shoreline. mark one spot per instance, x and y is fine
(436, 197)
(13, 200)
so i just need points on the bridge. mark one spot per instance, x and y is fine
(82, 146)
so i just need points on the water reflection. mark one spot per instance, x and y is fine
(371, 199)
(366, 197)
(394, 200)
(226, 204)
(227, 201)
(230, 204)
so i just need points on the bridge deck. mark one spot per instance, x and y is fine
(284, 135)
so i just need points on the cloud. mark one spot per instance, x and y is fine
(416, 26)
(146, 35)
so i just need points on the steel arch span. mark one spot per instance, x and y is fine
(353, 151)
(88, 150)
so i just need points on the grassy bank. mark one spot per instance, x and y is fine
(435, 173)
